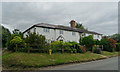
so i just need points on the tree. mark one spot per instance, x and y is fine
(18, 32)
(109, 44)
(15, 33)
(116, 37)
(5, 35)
(36, 41)
(88, 41)
(80, 26)
(16, 41)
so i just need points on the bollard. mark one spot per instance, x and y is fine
(50, 51)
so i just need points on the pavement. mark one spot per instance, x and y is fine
(105, 64)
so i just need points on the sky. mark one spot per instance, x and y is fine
(101, 17)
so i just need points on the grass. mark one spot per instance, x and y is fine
(108, 54)
(36, 60)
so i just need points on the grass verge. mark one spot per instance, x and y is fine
(109, 54)
(35, 60)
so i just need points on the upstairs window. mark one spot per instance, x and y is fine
(46, 30)
(98, 36)
(28, 32)
(61, 32)
(73, 33)
(35, 30)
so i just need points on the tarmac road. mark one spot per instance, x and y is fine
(105, 64)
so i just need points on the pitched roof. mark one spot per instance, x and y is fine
(45, 25)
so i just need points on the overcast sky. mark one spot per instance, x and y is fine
(101, 17)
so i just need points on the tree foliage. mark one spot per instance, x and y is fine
(109, 44)
(5, 35)
(18, 32)
(116, 37)
(80, 26)
(35, 40)
(88, 41)
(16, 40)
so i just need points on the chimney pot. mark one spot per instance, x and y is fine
(73, 23)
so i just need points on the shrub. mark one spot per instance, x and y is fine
(36, 41)
(96, 49)
(57, 45)
(109, 44)
(14, 38)
(117, 47)
(71, 47)
(82, 49)
(96, 42)
(88, 41)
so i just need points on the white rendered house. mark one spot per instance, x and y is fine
(59, 32)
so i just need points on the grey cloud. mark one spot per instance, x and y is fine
(99, 17)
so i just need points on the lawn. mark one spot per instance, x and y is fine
(109, 53)
(36, 60)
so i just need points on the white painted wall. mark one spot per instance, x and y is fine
(53, 34)
(68, 35)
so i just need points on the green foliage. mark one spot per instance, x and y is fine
(57, 45)
(117, 47)
(108, 44)
(96, 49)
(16, 40)
(35, 40)
(96, 42)
(18, 32)
(80, 26)
(82, 49)
(88, 41)
(9, 45)
(5, 35)
(116, 37)
(67, 46)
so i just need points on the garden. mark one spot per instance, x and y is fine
(34, 51)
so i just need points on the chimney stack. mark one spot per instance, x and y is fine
(73, 23)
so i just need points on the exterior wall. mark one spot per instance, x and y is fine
(53, 34)
(99, 37)
(68, 35)
(50, 36)
(95, 36)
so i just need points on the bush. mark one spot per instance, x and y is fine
(88, 41)
(96, 49)
(117, 47)
(109, 44)
(16, 41)
(57, 46)
(82, 49)
(35, 41)
(96, 42)
(60, 46)
(14, 38)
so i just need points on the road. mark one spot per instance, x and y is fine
(105, 64)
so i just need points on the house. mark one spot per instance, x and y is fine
(59, 32)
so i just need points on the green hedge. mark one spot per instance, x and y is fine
(117, 47)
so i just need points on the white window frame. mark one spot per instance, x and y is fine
(61, 32)
(73, 33)
(46, 30)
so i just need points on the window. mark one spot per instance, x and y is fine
(83, 34)
(28, 32)
(35, 30)
(46, 30)
(73, 33)
(98, 36)
(61, 32)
